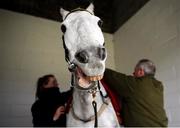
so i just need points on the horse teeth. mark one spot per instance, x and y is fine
(94, 78)
(99, 77)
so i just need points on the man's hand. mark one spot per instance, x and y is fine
(59, 112)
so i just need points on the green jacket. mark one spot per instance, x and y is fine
(142, 99)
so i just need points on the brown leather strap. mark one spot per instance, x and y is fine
(102, 108)
(77, 9)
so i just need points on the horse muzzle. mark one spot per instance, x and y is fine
(83, 56)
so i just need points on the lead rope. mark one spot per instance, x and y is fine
(102, 96)
(94, 104)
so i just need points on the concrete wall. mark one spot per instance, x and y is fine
(154, 33)
(29, 48)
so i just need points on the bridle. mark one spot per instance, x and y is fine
(75, 10)
(92, 89)
(71, 65)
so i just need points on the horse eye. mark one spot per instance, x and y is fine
(100, 23)
(63, 28)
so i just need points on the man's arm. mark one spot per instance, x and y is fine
(119, 82)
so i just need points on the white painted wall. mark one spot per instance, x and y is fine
(29, 48)
(154, 33)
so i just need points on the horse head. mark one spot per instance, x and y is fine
(84, 42)
(85, 53)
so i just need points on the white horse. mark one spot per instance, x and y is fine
(86, 55)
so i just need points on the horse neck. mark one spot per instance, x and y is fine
(82, 102)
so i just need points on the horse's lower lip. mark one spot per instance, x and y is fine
(94, 78)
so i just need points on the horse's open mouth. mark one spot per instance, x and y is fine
(94, 78)
(89, 78)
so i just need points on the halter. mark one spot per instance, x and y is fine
(75, 10)
(102, 108)
(92, 89)
(71, 66)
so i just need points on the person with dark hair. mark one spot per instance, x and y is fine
(48, 100)
(142, 95)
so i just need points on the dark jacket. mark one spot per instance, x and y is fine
(45, 107)
(143, 103)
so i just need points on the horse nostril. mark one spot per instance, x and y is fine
(102, 53)
(82, 57)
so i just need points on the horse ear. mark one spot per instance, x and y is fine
(90, 8)
(63, 12)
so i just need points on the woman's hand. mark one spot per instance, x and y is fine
(59, 112)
